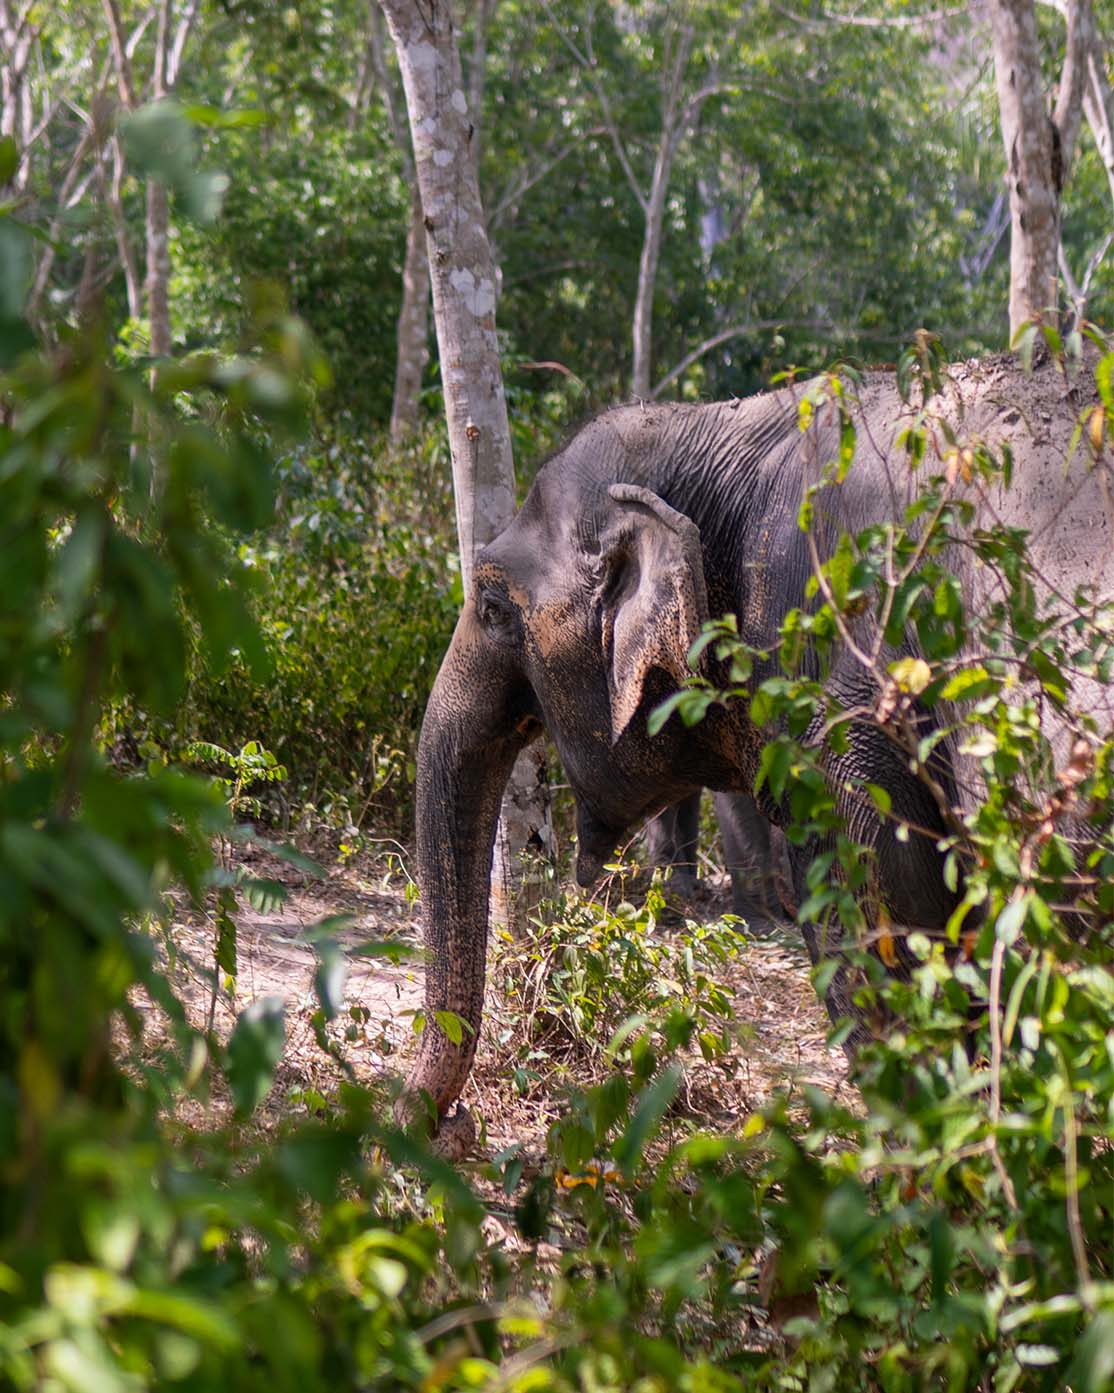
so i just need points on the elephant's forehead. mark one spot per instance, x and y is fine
(540, 551)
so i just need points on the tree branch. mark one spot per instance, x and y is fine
(736, 331)
(400, 132)
(1078, 44)
(125, 80)
(181, 38)
(587, 63)
(918, 21)
(46, 265)
(160, 67)
(527, 178)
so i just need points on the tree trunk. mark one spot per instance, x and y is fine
(412, 332)
(1099, 111)
(672, 125)
(463, 279)
(158, 267)
(643, 324)
(1038, 147)
(462, 273)
(477, 73)
(158, 212)
(120, 228)
(413, 326)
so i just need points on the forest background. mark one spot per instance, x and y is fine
(756, 186)
(227, 541)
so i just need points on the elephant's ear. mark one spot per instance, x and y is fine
(654, 600)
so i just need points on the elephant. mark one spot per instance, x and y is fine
(752, 848)
(581, 614)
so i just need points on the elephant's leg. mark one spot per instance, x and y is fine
(906, 865)
(752, 850)
(671, 842)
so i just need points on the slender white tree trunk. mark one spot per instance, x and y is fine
(477, 71)
(120, 228)
(1038, 146)
(413, 326)
(643, 323)
(158, 267)
(463, 279)
(1098, 107)
(672, 129)
(412, 330)
(158, 211)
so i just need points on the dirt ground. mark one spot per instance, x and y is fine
(782, 1026)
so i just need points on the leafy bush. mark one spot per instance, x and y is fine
(583, 987)
(964, 1233)
(135, 1253)
(951, 1234)
(359, 593)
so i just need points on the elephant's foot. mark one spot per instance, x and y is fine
(760, 919)
(682, 883)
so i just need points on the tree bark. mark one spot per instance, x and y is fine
(462, 273)
(158, 267)
(412, 330)
(158, 210)
(463, 278)
(413, 326)
(654, 210)
(1038, 146)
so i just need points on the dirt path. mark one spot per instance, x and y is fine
(783, 1024)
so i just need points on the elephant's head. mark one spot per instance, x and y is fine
(580, 620)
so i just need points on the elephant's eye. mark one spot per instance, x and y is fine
(497, 614)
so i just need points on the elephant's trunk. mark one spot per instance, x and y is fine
(468, 745)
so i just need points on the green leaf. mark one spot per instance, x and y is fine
(1092, 1369)
(83, 1364)
(453, 1026)
(330, 977)
(881, 798)
(202, 1319)
(1104, 379)
(160, 142)
(969, 683)
(839, 571)
(227, 938)
(649, 1110)
(15, 269)
(661, 713)
(846, 449)
(254, 1052)
(9, 158)
(911, 674)
(262, 894)
(1011, 919)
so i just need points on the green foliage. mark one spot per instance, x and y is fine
(948, 1234)
(962, 1233)
(596, 984)
(134, 1253)
(358, 593)
(953, 1232)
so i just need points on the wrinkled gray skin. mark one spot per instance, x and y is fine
(650, 520)
(752, 850)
